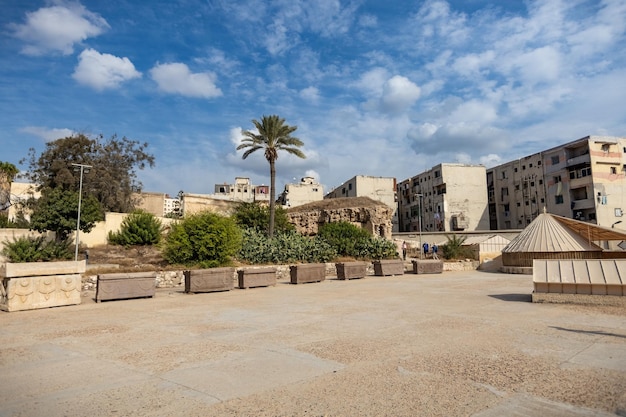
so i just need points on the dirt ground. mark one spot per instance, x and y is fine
(452, 344)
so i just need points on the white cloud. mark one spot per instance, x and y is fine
(372, 81)
(58, 28)
(311, 94)
(235, 135)
(490, 160)
(399, 93)
(176, 78)
(368, 21)
(102, 71)
(48, 134)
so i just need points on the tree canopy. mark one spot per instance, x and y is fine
(8, 171)
(112, 178)
(57, 211)
(272, 135)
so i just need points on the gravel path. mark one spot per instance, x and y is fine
(455, 344)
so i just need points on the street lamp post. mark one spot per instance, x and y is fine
(419, 201)
(83, 169)
(613, 225)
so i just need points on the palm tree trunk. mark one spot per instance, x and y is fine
(272, 196)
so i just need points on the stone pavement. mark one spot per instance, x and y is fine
(453, 344)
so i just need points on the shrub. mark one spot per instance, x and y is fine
(285, 247)
(37, 249)
(256, 216)
(353, 241)
(138, 228)
(204, 239)
(343, 236)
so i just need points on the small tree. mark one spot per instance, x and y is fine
(256, 216)
(57, 211)
(454, 249)
(138, 228)
(205, 239)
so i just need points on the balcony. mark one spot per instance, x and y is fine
(580, 182)
(577, 160)
(586, 203)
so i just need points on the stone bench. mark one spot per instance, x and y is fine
(305, 273)
(427, 266)
(209, 280)
(351, 270)
(388, 267)
(121, 286)
(256, 277)
(34, 285)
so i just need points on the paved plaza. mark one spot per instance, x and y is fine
(453, 344)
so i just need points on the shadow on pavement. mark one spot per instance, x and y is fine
(525, 298)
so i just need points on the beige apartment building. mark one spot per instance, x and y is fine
(381, 189)
(242, 190)
(307, 191)
(450, 197)
(584, 179)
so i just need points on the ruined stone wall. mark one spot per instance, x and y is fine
(376, 220)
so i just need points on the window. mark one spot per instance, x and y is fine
(503, 175)
(314, 190)
(530, 165)
(437, 174)
(343, 190)
(519, 204)
(543, 200)
(523, 167)
(539, 162)
(515, 169)
(613, 170)
(557, 179)
(555, 160)
(505, 191)
(526, 203)
(516, 187)
(558, 199)
(532, 183)
(349, 186)
(506, 208)
(540, 182)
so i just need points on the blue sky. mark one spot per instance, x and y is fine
(382, 88)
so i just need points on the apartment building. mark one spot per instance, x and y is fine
(307, 191)
(516, 192)
(381, 189)
(448, 197)
(242, 190)
(584, 179)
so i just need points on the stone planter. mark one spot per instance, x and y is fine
(351, 270)
(33, 285)
(125, 285)
(256, 277)
(304, 273)
(209, 280)
(389, 267)
(427, 266)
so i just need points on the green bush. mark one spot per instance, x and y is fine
(285, 247)
(37, 249)
(353, 241)
(204, 239)
(256, 216)
(138, 228)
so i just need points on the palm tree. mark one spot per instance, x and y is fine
(273, 136)
(8, 171)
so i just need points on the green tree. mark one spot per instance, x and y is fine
(205, 239)
(112, 178)
(8, 171)
(273, 136)
(257, 216)
(138, 228)
(57, 211)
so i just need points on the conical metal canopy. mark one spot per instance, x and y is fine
(547, 234)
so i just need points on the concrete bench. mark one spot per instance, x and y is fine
(121, 286)
(388, 267)
(256, 277)
(351, 270)
(209, 280)
(305, 273)
(427, 266)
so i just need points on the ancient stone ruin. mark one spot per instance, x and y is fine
(372, 215)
